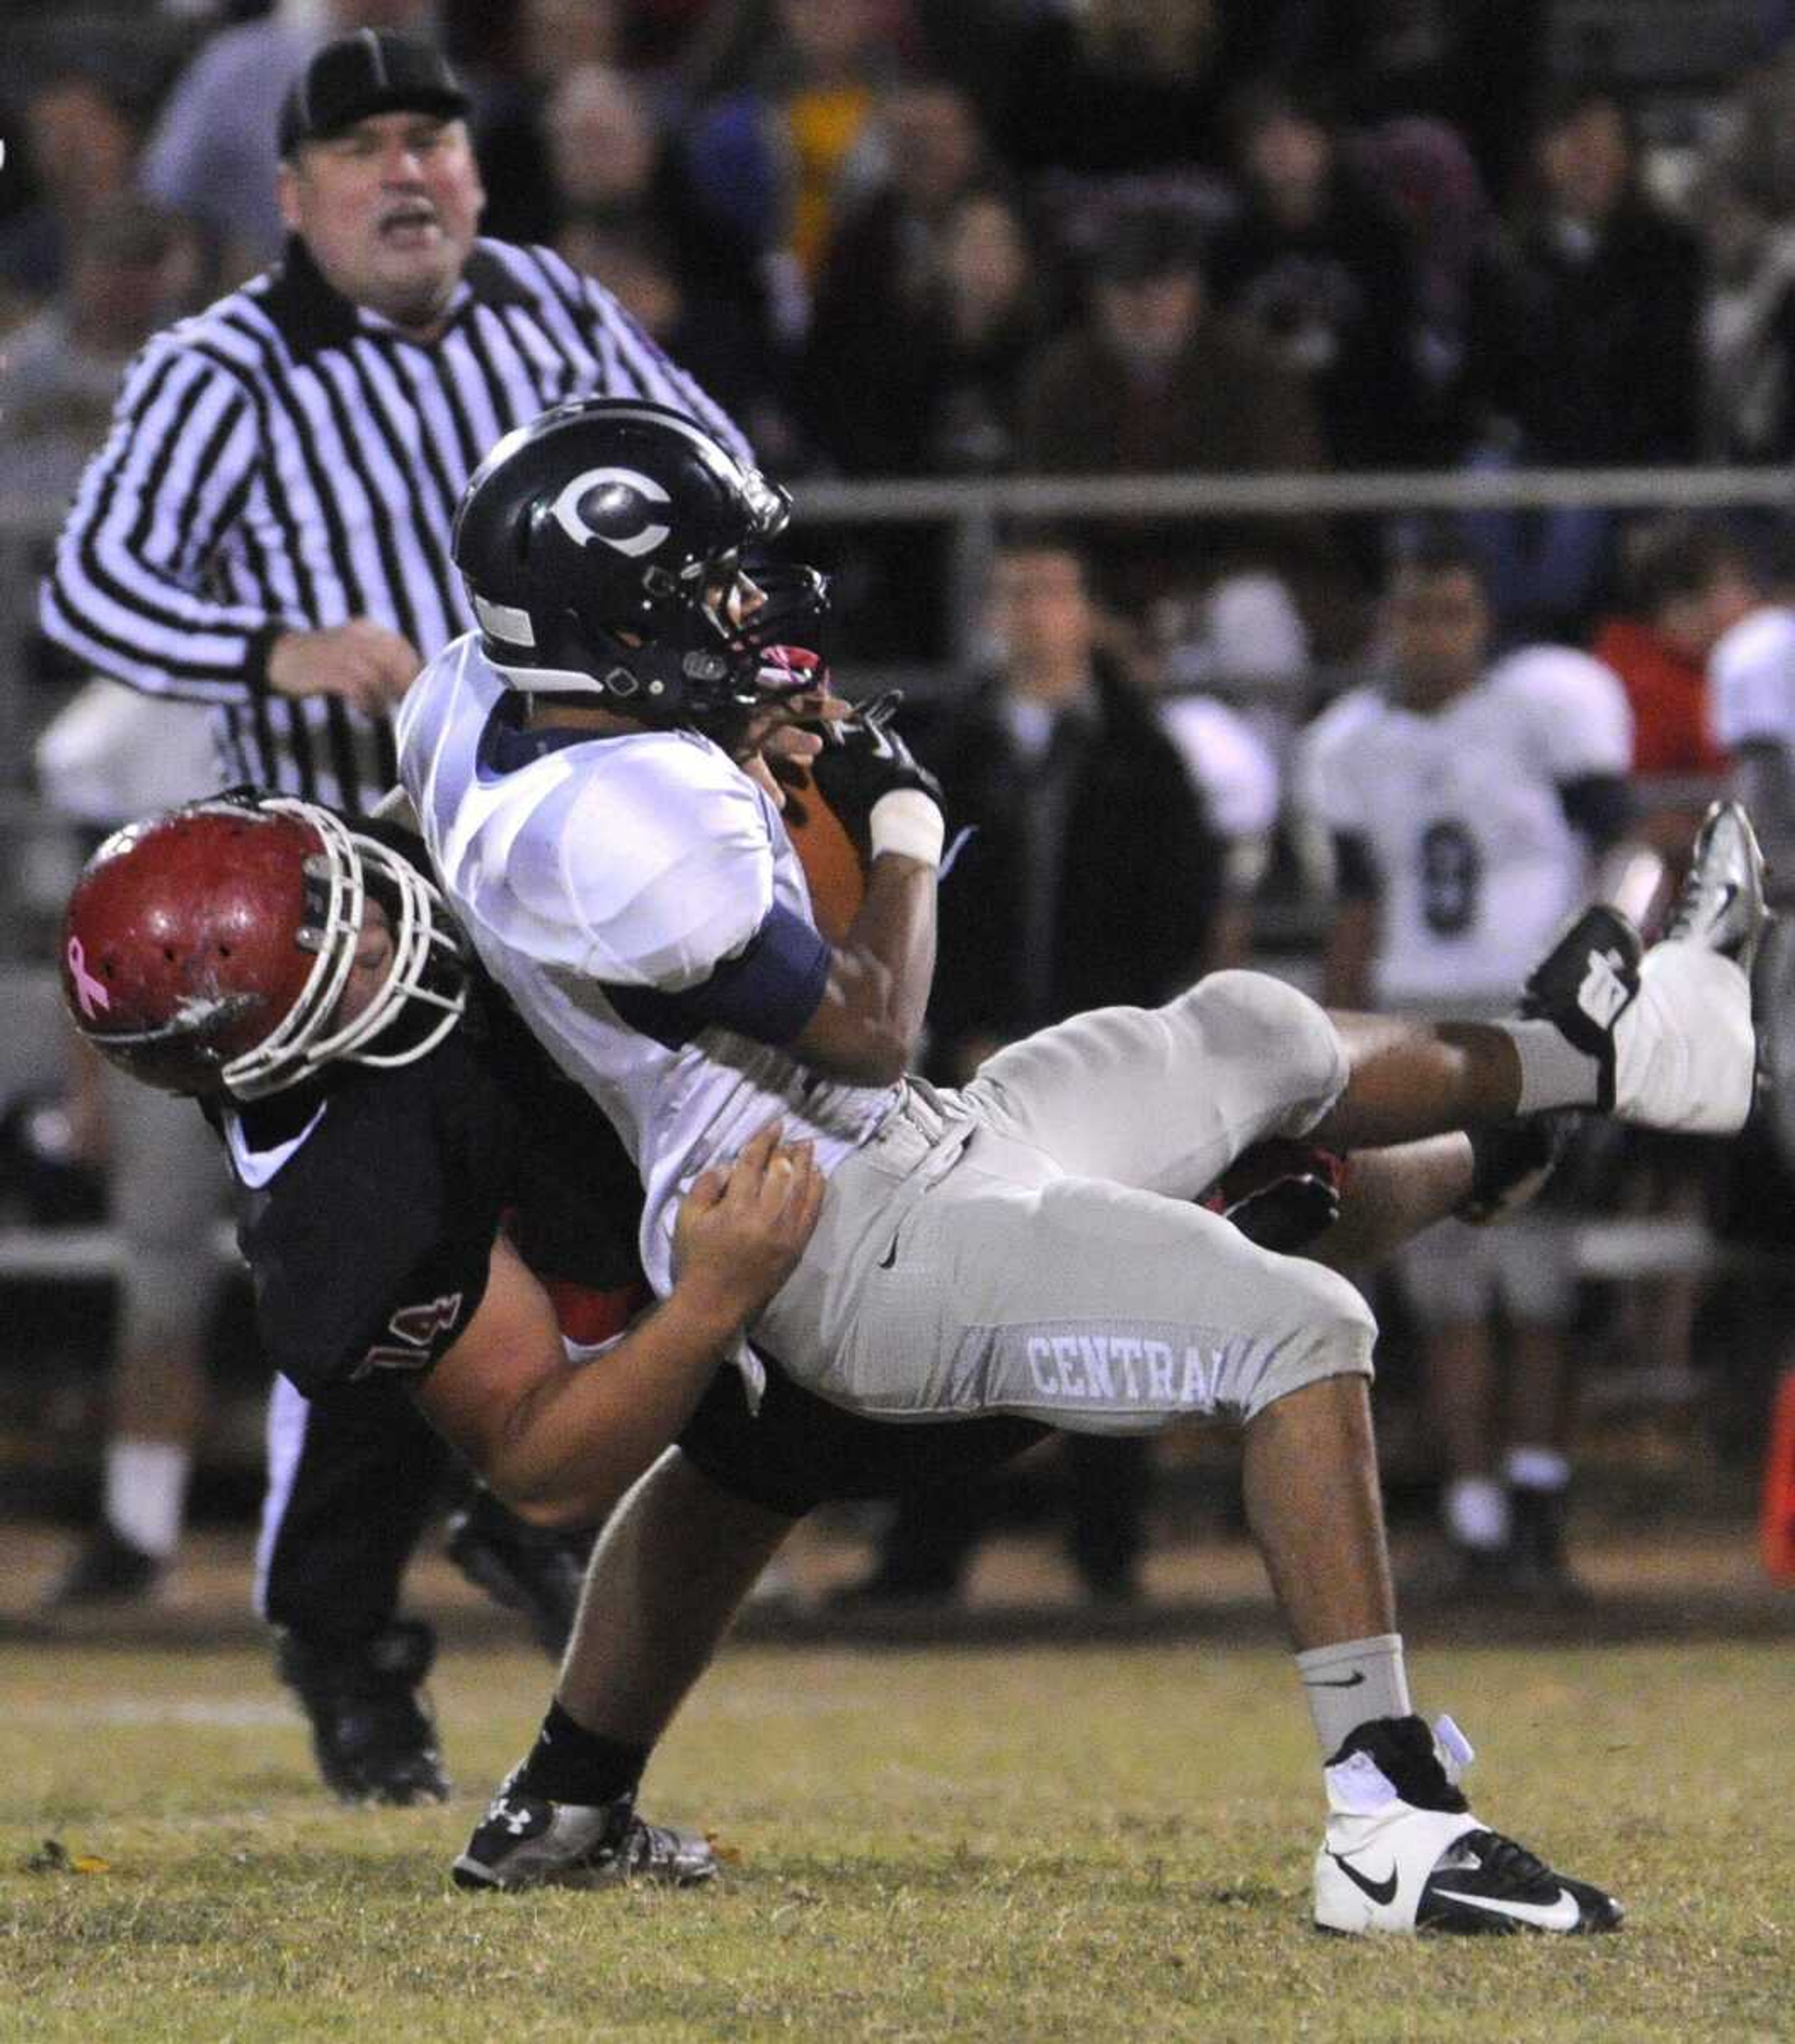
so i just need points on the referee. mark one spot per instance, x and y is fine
(267, 530)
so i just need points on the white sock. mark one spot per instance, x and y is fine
(1476, 1511)
(1554, 1073)
(1349, 1683)
(146, 1487)
(1537, 1468)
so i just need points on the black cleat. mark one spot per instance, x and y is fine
(106, 1570)
(1585, 984)
(527, 1840)
(372, 1730)
(522, 1567)
(1543, 1574)
(1511, 1162)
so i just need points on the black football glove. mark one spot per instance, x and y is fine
(863, 759)
(1511, 1162)
(1280, 1194)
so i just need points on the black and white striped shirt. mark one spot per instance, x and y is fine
(287, 460)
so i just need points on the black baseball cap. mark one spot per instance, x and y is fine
(374, 70)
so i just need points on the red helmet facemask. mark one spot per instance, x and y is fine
(208, 950)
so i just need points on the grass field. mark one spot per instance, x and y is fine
(1094, 1842)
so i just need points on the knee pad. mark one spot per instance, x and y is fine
(1338, 1335)
(1291, 1039)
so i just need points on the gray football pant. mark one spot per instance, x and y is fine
(1029, 1243)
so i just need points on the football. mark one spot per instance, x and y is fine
(832, 865)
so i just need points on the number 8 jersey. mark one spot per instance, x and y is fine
(1466, 817)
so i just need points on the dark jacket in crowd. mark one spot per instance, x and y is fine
(1591, 346)
(1109, 825)
(1340, 296)
(890, 389)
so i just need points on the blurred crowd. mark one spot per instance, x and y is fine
(901, 238)
(1301, 233)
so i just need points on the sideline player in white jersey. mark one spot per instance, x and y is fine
(1028, 1244)
(1472, 806)
(1751, 699)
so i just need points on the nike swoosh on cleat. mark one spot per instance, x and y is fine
(1381, 1891)
(1563, 1914)
(1330, 1682)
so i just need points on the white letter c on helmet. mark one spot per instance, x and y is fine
(625, 509)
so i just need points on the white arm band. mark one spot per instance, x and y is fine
(906, 821)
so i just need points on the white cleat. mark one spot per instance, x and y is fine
(1403, 1853)
(1671, 1029)
(1721, 905)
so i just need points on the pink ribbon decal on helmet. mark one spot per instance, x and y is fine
(89, 991)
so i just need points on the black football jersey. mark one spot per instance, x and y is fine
(371, 1202)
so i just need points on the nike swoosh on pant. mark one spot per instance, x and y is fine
(1381, 1891)
(1563, 1914)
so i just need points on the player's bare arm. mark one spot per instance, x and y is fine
(561, 1444)
(867, 1027)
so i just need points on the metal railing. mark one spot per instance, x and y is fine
(971, 510)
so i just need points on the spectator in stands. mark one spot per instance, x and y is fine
(1092, 878)
(134, 267)
(1321, 270)
(991, 317)
(870, 355)
(614, 175)
(1470, 802)
(1589, 333)
(1748, 323)
(1683, 579)
(777, 162)
(551, 42)
(1156, 380)
(81, 136)
(212, 155)
(1423, 170)
(1757, 146)
(648, 272)
(1474, 64)
(1109, 86)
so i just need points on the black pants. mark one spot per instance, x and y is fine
(354, 1476)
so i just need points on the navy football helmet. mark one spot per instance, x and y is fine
(609, 548)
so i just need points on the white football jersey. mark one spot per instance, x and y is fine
(1463, 814)
(614, 874)
(1229, 761)
(1751, 680)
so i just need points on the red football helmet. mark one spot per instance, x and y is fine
(207, 950)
